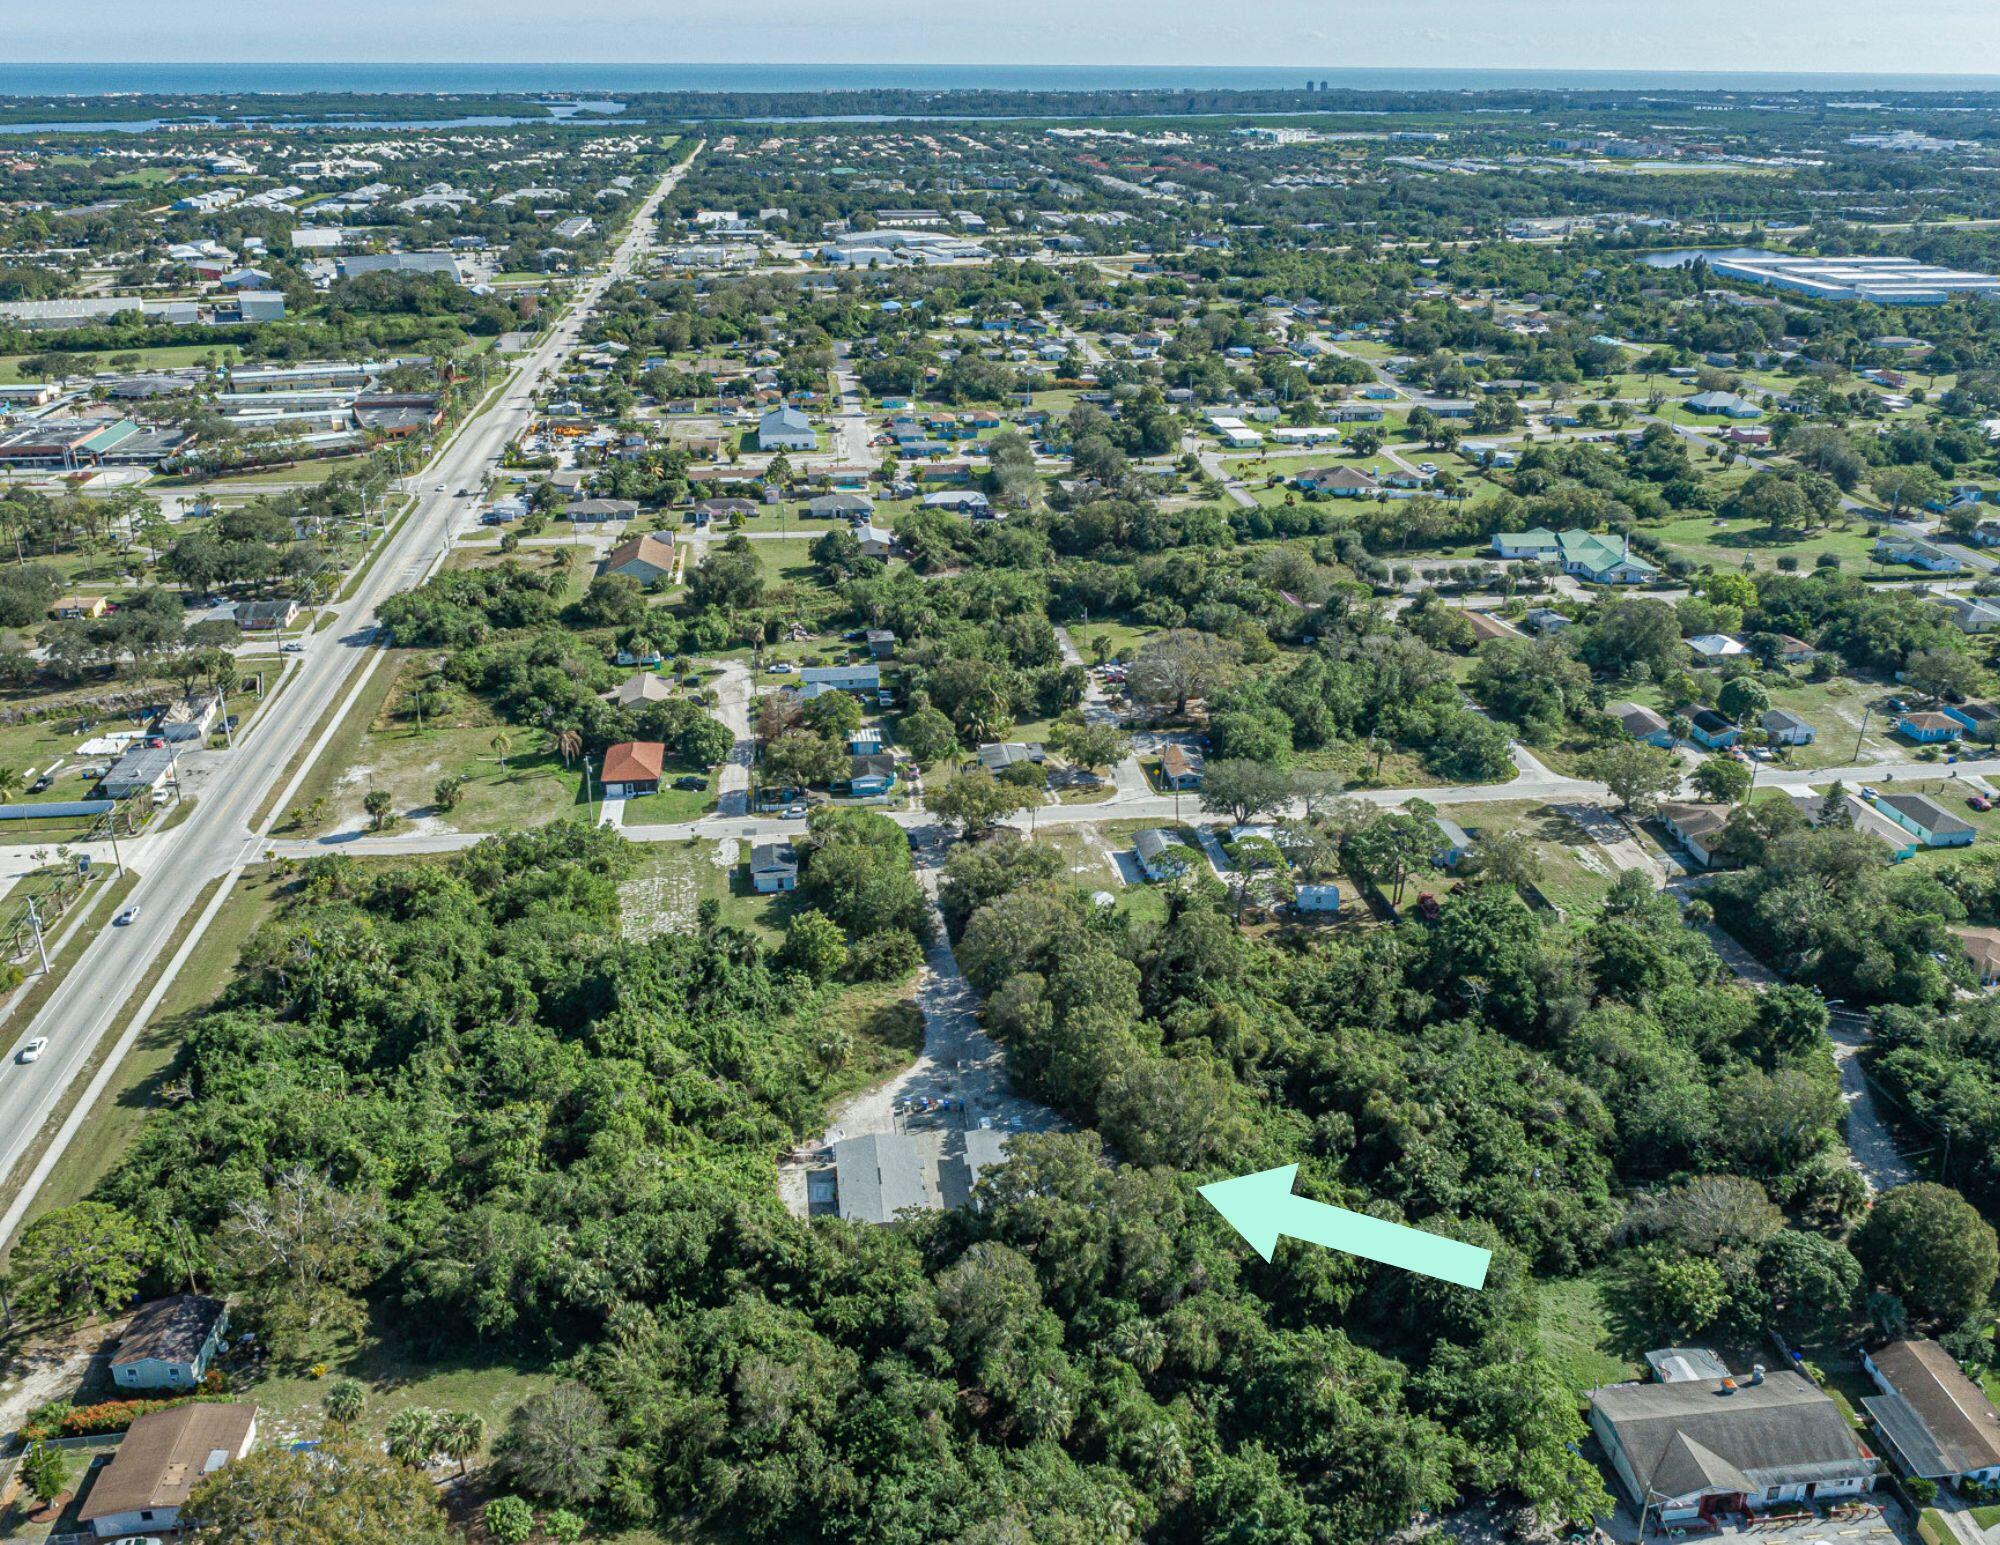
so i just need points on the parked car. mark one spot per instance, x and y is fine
(32, 1052)
(691, 783)
(41, 784)
(1979, 802)
(795, 812)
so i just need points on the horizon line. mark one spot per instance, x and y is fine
(988, 64)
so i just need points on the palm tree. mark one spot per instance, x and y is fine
(459, 1436)
(501, 745)
(413, 1436)
(10, 783)
(566, 743)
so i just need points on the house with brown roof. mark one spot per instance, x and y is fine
(645, 558)
(1180, 768)
(1981, 948)
(164, 1456)
(1935, 1419)
(169, 1342)
(632, 768)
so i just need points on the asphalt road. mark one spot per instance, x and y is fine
(223, 833)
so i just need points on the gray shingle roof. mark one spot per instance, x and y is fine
(1688, 1437)
(878, 1175)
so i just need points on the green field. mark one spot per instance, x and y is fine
(164, 357)
(1579, 1336)
(1726, 543)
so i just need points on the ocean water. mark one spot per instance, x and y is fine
(45, 80)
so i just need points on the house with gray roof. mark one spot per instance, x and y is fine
(1699, 1448)
(1935, 1420)
(785, 429)
(877, 1175)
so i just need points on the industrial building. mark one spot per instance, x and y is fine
(1887, 281)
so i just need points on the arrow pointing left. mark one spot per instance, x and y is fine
(1261, 1207)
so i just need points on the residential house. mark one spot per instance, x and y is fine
(169, 1343)
(1918, 553)
(1856, 813)
(638, 689)
(865, 741)
(1696, 827)
(871, 776)
(1486, 627)
(1927, 727)
(774, 867)
(786, 429)
(1542, 621)
(840, 507)
(862, 679)
(875, 541)
(70, 608)
(1786, 728)
(1981, 720)
(1930, 822)
(1981, 948)
(1454, 843)
(1643, 724)
(646, 558)
(1968, 613)
(1725, 404)
(878, 1175)
(1154, 850)
(1714, 648)
(1934, 1419)
(632, 768)
(1712, 730)
(162, 1458)
(1603, 560)
(722, 509)
(997, 756)
(881, 643)
(1180, 767)
(1692, 1449)
(597, 512)
(1340, 482)
(1320, 899)
(1794, 651)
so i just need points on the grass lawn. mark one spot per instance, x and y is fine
(298, 472)
(1576, 874)
(86, 1460)
(1124, 639)
(396, 1375)
(787, 560)
(1578, 1334)
(672, 805)
(378, 746)
(166, 357)
(1726, 543)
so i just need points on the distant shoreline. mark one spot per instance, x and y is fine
(59, 79)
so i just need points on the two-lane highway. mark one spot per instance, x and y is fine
(221, 836)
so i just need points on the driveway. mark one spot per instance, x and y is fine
(1870, 1147)
(732, 706)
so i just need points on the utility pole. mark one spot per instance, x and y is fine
(35, 922)
(1865, 712)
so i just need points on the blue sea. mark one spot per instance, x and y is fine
(48, 80)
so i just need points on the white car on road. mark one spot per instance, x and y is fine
(32, 1052)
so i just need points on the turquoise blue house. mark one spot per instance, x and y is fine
(871, 777)
(1712, 730)
(1932, 824)
(1927, 728)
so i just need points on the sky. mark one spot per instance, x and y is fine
(1889, 36)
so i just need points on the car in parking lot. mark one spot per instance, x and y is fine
(32, 1052)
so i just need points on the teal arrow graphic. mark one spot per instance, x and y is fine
(1260, 1207)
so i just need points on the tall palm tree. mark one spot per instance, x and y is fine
(459, 1435)
(566, 742)
(501, 745)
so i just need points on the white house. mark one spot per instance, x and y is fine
(1938, 1422)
